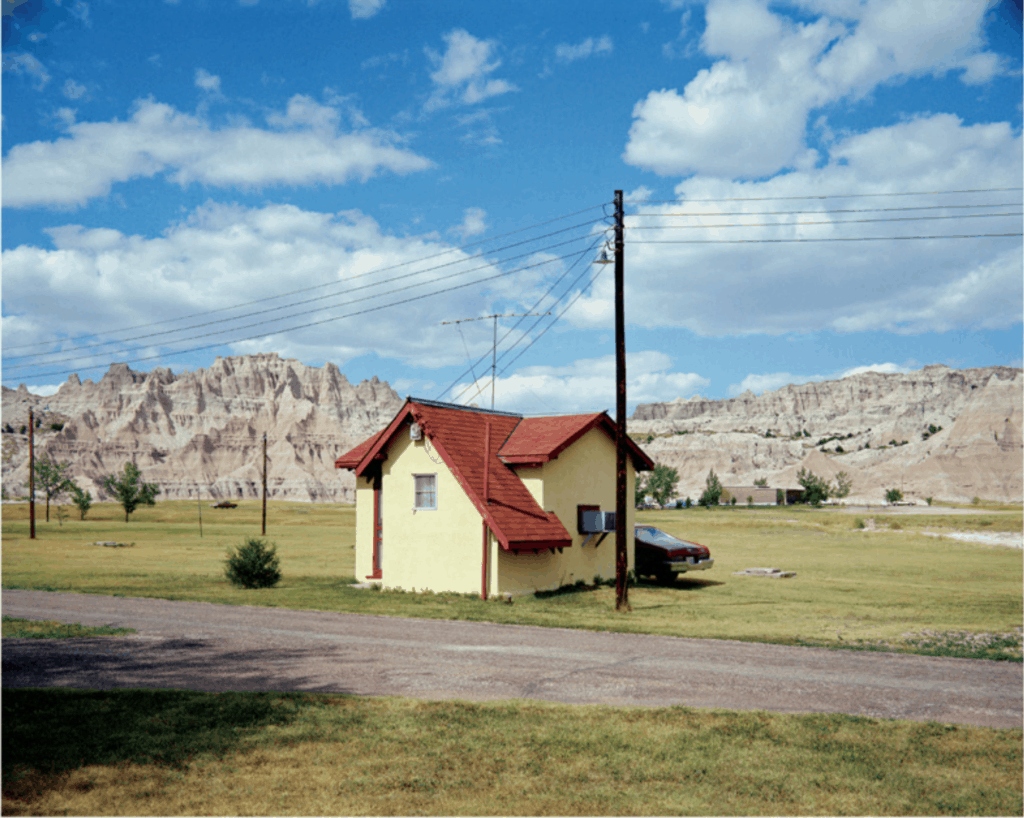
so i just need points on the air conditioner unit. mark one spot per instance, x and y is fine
(415, 432)
(597, 522)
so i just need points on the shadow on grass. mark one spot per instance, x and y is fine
(681, 584)
(54, 730)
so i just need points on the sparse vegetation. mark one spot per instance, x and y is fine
(52, 479)
(712, 490)
(844, 484)
(129, 491)
(761, 481)
(816, 489)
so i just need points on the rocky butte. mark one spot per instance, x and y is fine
(873, 426)
(202, 431)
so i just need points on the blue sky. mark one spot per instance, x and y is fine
(333, 180)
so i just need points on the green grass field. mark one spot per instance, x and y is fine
(885, 588)
(138, 752)
(156, 752)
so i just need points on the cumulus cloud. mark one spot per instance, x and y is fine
(364, 291)
(462, 72)
(72, 89)
(364, 9)
(746, 115)
(304, 145)
(589, 47)
(903, 286)
(586, 385)
(473, 224)
(28, 66)
(207, 81)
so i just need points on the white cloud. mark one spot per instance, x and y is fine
(473, 224)
(304, 146)
(910, 286)
(72, 89)
(207, 81)
(29, 66)
(769, 382)
(461, 74)
(364, 9)
(589, 47)
(746, 115)
(586, 385)
(225, 255)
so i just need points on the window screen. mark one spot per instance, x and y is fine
(426, 490)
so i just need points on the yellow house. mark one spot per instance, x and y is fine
(452, 498)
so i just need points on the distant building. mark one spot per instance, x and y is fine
(759, 495)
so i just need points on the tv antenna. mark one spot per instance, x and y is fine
(494, 347)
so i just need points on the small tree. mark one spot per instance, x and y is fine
(780, 497)
(640, 490)
(844, 483)
(712, 491)
(254, 564)
(816, 489)
(130, 493)
(662, 483)
(893, 496)
(81, 499)
(52, 478)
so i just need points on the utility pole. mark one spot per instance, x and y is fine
(31, 479)
(264, 484)
(494, 348)
(621, 565)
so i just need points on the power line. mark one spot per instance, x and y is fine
(536, 304)
(321, 321)
(826, 196)
(827, 221)
(818, 211)
(361, 275)
(833, 238)
(285, 306)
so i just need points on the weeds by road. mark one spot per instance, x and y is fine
(14, 628)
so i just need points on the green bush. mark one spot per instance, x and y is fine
(254, 564)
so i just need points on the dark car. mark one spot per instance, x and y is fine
(661, 555)
(225, 504)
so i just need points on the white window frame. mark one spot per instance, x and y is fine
(418, 494)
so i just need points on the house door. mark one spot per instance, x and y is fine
(378, 526)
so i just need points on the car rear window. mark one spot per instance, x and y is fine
(656, 536)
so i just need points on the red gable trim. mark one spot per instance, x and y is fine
(539, 440)
(351, 459)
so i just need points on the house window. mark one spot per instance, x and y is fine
(425, 491)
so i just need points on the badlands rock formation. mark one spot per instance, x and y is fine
(203, 431)
(977, 453)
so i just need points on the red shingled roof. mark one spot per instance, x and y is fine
(538, 440)
(458, 435)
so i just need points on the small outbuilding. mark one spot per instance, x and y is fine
(455, 498)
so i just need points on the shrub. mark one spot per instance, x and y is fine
(893, 496)
(254, 564)
(57, 426)
(976, 501)
(928, 500)
(689, 502)
(858, 522)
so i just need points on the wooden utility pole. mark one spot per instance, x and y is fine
(31, 479)
(264, 484)
(621, 564)
(494, 348)
(199, 503)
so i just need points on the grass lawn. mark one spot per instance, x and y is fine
(887, 587)
(162, 752)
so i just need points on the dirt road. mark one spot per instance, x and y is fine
(202, 646)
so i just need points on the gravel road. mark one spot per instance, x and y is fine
(201, 646)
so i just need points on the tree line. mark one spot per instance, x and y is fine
(53, 479)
